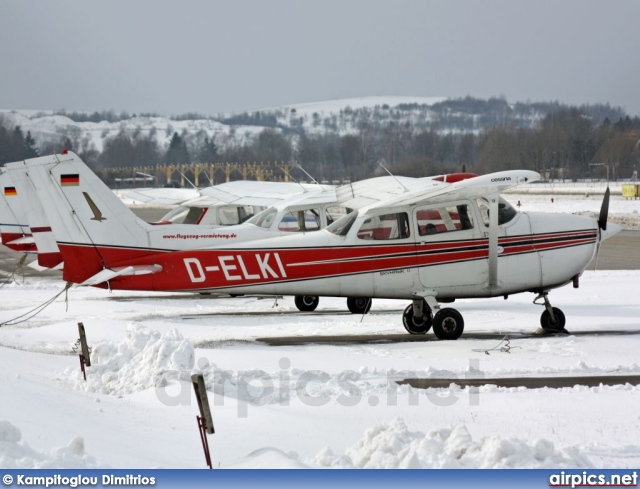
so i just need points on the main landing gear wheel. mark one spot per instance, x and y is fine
(549, 324)
(359, 305)
(307, 303)
(417, 325)
(448, 324)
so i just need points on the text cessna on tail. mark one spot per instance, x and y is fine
(430, 245)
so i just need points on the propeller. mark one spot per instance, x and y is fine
(604, 211)
(602, 222)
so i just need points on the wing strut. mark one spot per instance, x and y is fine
(494, 200)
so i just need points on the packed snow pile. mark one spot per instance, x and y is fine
(269, 458)
(392, 445)
(145, 358)
(15, 454)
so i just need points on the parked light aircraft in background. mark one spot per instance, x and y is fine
(225, 204)
(430, 245)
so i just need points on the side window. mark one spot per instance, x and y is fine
(444, 219)
(335, 212)
(388, 226)
(300, 221)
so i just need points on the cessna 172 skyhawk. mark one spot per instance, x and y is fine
(452, 241)
(307, 208)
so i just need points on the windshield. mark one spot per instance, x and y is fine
(341, 226)
(184, 215)
(264, 219)
(506, 212)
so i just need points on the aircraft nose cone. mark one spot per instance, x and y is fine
(612, 230)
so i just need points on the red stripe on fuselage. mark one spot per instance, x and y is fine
(227, 268)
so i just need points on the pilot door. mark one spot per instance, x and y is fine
(451, 247)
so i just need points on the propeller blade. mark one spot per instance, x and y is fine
(604, 211)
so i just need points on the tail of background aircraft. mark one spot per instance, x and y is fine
(14, 230)
(94, 229)
(49, 255)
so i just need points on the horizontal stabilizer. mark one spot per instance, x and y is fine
(22, 241)
(109, 274)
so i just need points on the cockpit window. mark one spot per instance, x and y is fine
(336, 212)
(300, 221)
(506, 212)
(232, 214)
(385, 227)
(342, 226)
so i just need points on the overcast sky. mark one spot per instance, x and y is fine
(212, 56)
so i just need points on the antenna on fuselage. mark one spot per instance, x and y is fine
(392, 175)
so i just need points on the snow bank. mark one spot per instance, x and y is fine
(269, 458)
(15, 454)
(145, 358)
(392, 445)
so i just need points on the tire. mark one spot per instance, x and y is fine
(448, 324)
(307, 303)
(415, 325)
(547, 323)
(359, 305)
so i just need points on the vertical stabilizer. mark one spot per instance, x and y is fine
(94, 229)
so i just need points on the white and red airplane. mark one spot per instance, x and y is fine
(307, 208)
(431, 245)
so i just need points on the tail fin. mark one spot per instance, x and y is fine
(94, 229)
(49, 255)
(14, 229)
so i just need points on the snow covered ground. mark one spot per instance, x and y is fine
(318, 405)
(321, 404)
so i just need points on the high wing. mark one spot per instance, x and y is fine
(161, 196)
(246, 192)
(493, 183)
(241, 192)
(375, 190)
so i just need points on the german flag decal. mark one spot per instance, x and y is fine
(10, 192)
(70, 180)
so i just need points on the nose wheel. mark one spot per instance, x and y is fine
(552, 318)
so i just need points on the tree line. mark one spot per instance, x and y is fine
(566, 143)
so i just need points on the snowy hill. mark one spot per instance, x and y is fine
(337, 117)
